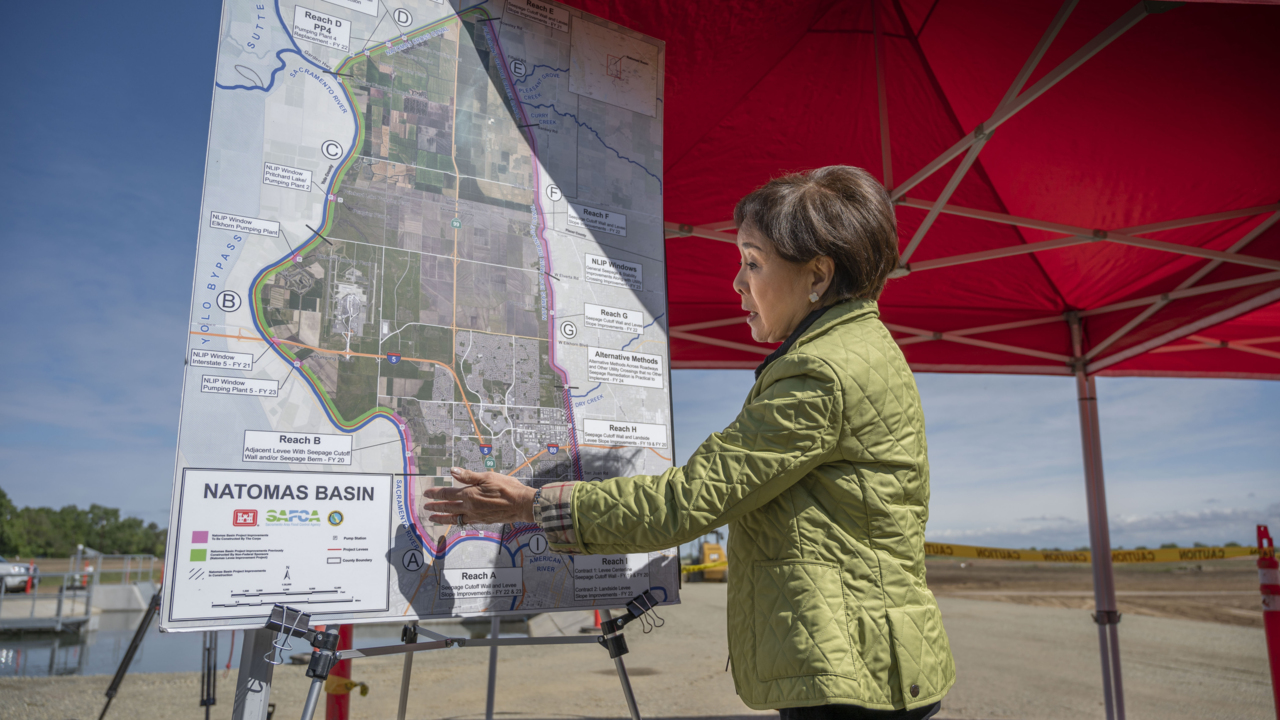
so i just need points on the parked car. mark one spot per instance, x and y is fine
(15, 575)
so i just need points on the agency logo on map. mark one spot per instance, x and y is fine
(293, 516)
(244, 518)
(335, 518)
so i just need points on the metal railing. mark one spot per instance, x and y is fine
(125, 569)
(70, 601)
(47, 608)
(114, 569)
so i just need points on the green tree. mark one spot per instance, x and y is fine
(55, 533)
(10, 530)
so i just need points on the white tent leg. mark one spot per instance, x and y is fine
(1104, 591)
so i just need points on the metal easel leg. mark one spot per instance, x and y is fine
(323, 658)
(611, 638)
(253, 683)
(153, 607)
(209, 672)
(313, 698)
(622, 675)
(408, 635)
(495, 628)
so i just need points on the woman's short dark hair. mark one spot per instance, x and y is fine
(841, 212)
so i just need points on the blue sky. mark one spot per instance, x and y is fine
(100, 194)
(1186, 460)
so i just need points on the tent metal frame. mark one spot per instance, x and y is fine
(1080, 236)
(1011, 108)
(1154, 302)
(1082, 364)
(982, 134)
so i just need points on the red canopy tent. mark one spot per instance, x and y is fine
(1082, 189)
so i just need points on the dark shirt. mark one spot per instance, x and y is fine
(853, 712)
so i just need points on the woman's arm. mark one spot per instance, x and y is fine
(784, 432)
(780, 435)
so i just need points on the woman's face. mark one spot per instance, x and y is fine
(775, 291)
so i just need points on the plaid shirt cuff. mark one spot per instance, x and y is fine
(554, 514)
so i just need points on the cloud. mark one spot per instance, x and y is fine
(1209, 526)
(1006, 460)
(102, 193)
(705, 401)
(1216, 522)
(1185, 460)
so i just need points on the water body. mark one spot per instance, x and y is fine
(99, 652)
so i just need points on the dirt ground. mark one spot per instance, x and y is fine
(1031, 655)
(1221, 591)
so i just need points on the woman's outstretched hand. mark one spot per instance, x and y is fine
(488, 498)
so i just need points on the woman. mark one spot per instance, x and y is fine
(823, 478)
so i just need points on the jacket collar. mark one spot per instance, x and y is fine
(845, 313)
(819, 322)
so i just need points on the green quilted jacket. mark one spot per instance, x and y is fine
(823, 480)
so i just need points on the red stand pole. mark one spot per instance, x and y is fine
(338, 707)
(31, 573)
(1269, 579)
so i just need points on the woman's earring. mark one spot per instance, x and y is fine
(813, 297)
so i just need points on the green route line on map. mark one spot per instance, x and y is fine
(380, 49)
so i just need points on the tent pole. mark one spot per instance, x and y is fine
(1099, 594)
(886, 159)
(1104, 593)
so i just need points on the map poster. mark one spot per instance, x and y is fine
(430, 236)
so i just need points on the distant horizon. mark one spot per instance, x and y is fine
(691, 546)
(1025, 411)
(1006, 464)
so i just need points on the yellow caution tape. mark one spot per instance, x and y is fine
(1084, 556)
(1160, 555)
(338, 685)
(705, 566)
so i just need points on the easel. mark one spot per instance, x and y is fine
(209, 672)
(289, 622)
(208, 661)
(153, 607)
